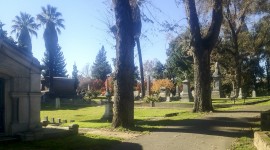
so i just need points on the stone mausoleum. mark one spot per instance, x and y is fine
(19, 90)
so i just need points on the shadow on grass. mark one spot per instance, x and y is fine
(81, 141)
(96, 121)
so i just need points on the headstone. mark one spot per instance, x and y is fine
(46, 118)
(177, 93)
(168, 99)
(216, 82)
(232, 93)
(108, 114)
(74, 128)
(58, 120)
(136, 93)
(148, 86)
(240, 95)
(186, 94)
(57, 103)
(162, 92)
(52, 120)
(254, 94)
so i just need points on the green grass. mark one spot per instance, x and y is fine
(81, 141)
(243, 143)
(90, 117)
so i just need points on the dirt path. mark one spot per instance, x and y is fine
(216, 131)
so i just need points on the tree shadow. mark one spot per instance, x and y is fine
(237, 111)
(80, 141)
(51, 107)
(220, 126)
(127, 146)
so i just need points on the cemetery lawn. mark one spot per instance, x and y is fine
(146, 119)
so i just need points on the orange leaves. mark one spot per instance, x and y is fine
(166, 83)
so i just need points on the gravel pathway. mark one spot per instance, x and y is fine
(215, 131)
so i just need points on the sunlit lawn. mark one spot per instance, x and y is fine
(90, 117)
(146, 119)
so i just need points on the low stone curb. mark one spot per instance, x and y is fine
(262, 141)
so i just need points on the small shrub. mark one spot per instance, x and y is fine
(149, 99)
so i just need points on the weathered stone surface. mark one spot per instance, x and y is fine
(20, 73)
(216, 82)
(186, 93)
(262, 140)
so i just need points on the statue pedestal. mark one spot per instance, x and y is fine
(186, 94)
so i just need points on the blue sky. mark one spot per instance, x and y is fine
(85, 31)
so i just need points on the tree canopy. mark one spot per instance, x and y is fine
(101, 67)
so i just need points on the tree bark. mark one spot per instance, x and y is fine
(202, 78)
(202, 47)
(124, 74)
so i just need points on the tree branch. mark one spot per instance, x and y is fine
(213, 32)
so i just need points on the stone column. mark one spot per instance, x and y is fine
(186, 94)
(177, 93)
(148, 86)
(254, 94)
(108, 114)
(240, 95)
(216, 82)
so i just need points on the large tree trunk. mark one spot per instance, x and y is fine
(141, 66)
(124, 74)
(202, 47)
(202, 80)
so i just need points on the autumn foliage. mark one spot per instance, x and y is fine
(157, 84)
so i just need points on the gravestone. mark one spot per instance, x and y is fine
(148, 86)
(162, 92)
(254, 94)
(240, 95)
(177, 93)
(216, 82)
(168, 99)
(108, 114)
(186, 94)
(57, 103)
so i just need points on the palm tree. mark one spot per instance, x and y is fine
(51, 19)
(137, 27)
(24, 25)
(3, 34)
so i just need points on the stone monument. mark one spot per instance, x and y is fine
(186, 93)
(177, 93)
(216, 82)
(148, 86)
(240, 95)
(108, 114)
(254, 94)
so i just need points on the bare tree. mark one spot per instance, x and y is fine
(202, 47)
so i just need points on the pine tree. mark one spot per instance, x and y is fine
(59, 65)
(75, 75)
(101, 67)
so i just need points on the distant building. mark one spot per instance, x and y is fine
(63, 87)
